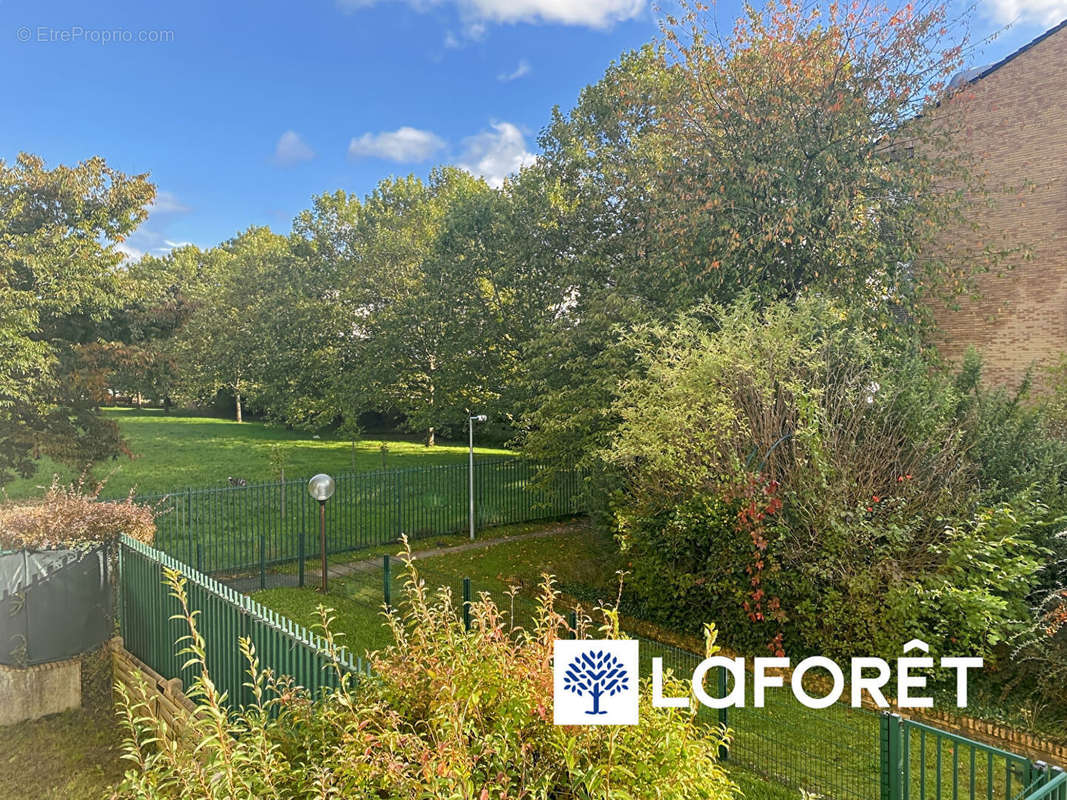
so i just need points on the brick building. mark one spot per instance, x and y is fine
(1013, 115)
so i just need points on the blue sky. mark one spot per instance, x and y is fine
(242, 111)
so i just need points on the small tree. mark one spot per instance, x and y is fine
(354, 433)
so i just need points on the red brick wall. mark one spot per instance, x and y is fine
(1015, 120)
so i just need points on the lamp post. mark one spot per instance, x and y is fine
(470, 423)
(321, 488)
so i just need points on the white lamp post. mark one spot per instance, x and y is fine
(470, 422)
(321, 488)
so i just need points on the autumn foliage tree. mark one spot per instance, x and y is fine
(792, 154)
(802, 155)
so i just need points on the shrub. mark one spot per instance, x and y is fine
(1039, 654)
(68, 517)
(913, 502)
(448, 713)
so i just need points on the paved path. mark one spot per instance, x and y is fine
(250, 583)
(367, 564)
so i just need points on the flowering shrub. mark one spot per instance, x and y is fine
(69, 517)
(447, 714)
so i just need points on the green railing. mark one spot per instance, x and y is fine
(1051, 786)
(149, 631)
(850, 753)
(921, 762)
(239, 529)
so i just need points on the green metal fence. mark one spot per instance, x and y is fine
(850, 753)
(1051, 786)
(837, 752)
(146, 608)
(921, 762)
(244, 528)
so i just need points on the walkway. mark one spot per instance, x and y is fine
(246, 584)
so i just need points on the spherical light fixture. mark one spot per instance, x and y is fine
(321, 487)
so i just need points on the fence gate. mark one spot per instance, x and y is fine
(920, 762)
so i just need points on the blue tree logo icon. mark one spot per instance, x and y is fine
(596, 673)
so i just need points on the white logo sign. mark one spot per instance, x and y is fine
(595, 681)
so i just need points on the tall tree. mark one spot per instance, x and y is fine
(792, 155)
(59, 280)
(420, 302)
(221, 348)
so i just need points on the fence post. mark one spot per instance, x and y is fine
(300, 557)
(466, 604)
(399, 514)
(262, 561)
(1035, 770)
(199, 559)
(890, 757)
(724, 718)
(387, 583)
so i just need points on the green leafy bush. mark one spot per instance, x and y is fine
(913, 502)
(447, 714)
(687, 565)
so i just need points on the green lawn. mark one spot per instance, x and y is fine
(174, 451)
(71, 755)
(576, 555)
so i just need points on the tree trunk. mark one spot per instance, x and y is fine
(237, 402)
(430, 439)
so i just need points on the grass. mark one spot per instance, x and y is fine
(70, 755)
(756, 787)
(577, 554)
(776, 750)
(175, 451)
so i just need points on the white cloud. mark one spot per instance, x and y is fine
(495, 154)
(129, 253)
(591, 13)
(405, 144)
(522, 69)
(292, 149)
(1041, 12)
(166, 203)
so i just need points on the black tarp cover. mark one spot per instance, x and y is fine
(54, 605)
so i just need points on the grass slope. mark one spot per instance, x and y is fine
(174, 451)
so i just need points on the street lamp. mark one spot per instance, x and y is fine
(321, 488)
(470, 422)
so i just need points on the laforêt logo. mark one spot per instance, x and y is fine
(596, 682)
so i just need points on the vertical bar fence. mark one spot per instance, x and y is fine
(149, 630)
(238, 529)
